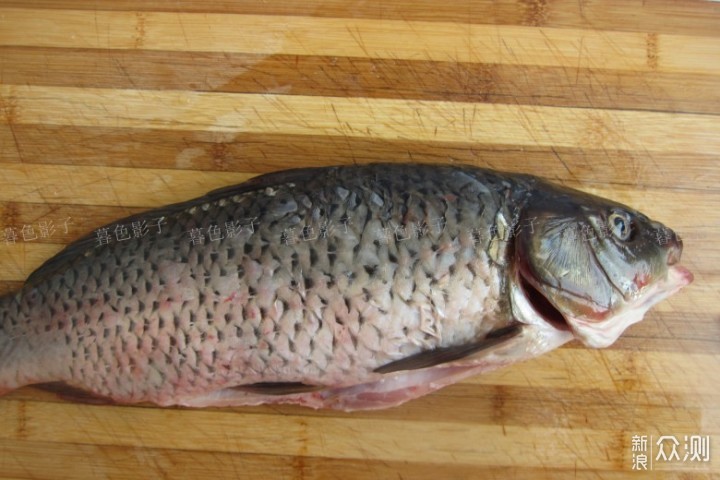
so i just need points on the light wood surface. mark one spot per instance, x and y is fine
(108, 108)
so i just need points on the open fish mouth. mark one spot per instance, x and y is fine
(541, 305)
(604, 333)
(538, 308)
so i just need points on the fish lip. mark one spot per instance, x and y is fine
(684, 276)
(595, 335)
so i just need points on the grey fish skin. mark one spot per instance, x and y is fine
(307, 287)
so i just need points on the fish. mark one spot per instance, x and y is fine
(349, 287)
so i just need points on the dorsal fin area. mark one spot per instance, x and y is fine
(298, 176)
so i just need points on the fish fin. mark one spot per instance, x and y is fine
(278, 388)
(443, 355)
(295, 175)
(74, 394)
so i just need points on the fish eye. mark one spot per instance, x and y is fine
(620, 224)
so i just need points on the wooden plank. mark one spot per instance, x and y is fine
(106, 110)
(9, 145)
(613, 370)
(340, 438)
(21, 259)
(361, 77)
(262, 153)
(411, 40)
(376, 118)
(691, 17)
(127, 187)
(346, 437)
(90, 461)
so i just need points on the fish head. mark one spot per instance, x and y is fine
(591, 265)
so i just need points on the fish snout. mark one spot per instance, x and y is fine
(670, 240)
(680, 275)
(674, 249)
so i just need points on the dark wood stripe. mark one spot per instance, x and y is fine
(538, 406)
(361, 77)
(261, 153)
(503, 404)
(93, 461)
(9, 148)
(690, 18)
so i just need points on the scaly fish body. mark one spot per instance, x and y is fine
(346, 287)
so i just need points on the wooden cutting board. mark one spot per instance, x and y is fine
(108, 108)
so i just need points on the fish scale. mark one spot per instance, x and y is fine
(156, 318)
(348, 287)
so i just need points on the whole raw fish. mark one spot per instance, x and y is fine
(350, 287)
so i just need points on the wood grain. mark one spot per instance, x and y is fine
(691, 17)
(356, 117)
(360, 77)
(111, 108)
(363, 38)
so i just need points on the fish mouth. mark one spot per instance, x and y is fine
(603, 334)
(542, 306)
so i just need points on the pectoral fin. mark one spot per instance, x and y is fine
(442, 355)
